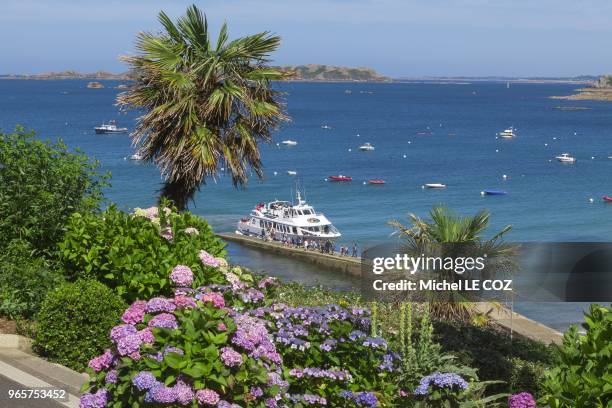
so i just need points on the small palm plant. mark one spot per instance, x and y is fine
(206, 104)
(448, 235)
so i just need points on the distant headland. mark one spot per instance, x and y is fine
(600, 90)
(311, 72)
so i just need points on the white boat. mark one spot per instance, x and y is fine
(135, 156)
(289, 142)
(291, 172)
(508, 133)
(434, 185)
(280, 220)
(326, 127)
(366, 147)
(110, 127)
(566, 158)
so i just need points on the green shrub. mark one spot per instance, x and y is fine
(24, 280)
(583, 377)
(74, 322)
(128, 253)
(41, 185)
(526, 376)
(494, 354)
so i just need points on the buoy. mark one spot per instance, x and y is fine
(409, 142)
(575, 133)
(554, 138)
(504, 177)
(496, 150)
(405, 156)
(482, 193)
(349, 150)
(275, 173)
(592, 157)
(222, 168)
(591, 200)
(278, 144)
(545, 144)
(364, 183)
(423, 187)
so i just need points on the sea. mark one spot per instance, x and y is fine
(423, 132)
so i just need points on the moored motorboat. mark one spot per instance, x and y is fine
(366, 147)
(289, 142)
(493, 192)
(434, 185)
(340, 177)
(377, 181)
(566, 158)
(110, 127)
(291, 172)
(607, 199)
(507, 133)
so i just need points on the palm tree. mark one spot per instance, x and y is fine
(206, 104)
(450, 235)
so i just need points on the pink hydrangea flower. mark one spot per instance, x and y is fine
(207, 397)
(181, 275)
(221, 326)
(215, 298)
(183, 302)
(208, 260)
(135, 313)
(146, 335)
(102, 361)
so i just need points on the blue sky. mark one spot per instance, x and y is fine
(396, 37)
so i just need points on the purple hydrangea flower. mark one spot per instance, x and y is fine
(111, 377)
(122, 330)
(129, 344)
(184, 393)
(230, 357)
(160, 304)
(97, 400)
(208, 260)
(144, 380)
(163, 394)
(164, 320)
(521, 400)
(440, 380)
(181, 275)
(207, 397)
(146, 335)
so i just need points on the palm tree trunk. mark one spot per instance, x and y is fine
(178, 192)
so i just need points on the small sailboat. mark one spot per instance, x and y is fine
(493, 192)
(434, 185)
(566, 158)
(366, 147)
(289, 142)
(340, 177)
(377, 181)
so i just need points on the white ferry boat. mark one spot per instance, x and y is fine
(280, 220)
(111, 127)
(508, 133)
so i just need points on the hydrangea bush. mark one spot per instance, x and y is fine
(186, 351)
(329, 357)
(135, 253)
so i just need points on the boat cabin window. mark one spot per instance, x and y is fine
(295, 230)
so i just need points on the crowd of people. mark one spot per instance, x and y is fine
(326, 247)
